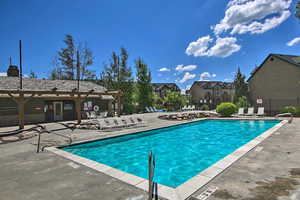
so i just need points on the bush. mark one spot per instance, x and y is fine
(242, 102)
(204, 107)
(226, 109)
(290, 109)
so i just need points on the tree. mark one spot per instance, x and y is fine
(174, 100)
(240, 85)
(118, 76)
(32, 74)
(66, 60)
(67, 57)
(297, 14)
(144, 86)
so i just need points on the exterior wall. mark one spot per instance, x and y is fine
(197, 93)
(34, 110)
(277, 83)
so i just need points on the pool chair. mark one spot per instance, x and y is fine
(148, 110)
(93, 115)
(152, 109)
(117, 122)
(109, 124)
(250, 112)
(140, 121)
(88, 116)
(189, 108)
(184, 108)
(129, 122)
(260, 112)
(193, 107)
(241, 112)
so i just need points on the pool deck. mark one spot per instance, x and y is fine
(27, 175)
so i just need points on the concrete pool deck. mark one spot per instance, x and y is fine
(27, 175)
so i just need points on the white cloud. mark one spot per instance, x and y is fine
(244, 16)
(223, 47)
(164, 69)
(3, 74)
(187, 76)
(205, 76)
(182, 68)
(293, 41)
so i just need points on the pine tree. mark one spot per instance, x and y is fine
(118, 76)
(144, 86)
(67, 57)
(32, 74)
(241, 87)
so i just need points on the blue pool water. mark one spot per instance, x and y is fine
(181, 151)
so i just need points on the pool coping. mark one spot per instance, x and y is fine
(187, 188)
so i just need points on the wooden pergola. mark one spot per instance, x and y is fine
(21, 97)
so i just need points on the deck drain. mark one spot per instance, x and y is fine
(258, 149)
(73, 165)
(207, 193)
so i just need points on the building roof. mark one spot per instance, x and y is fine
(159, 86)
(212, 84)
(13, 83)
(292, 59)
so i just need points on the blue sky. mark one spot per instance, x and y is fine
(186, 40)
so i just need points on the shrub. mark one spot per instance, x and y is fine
(289, 109)
(226, 109)
(204, 107)
(242, 102)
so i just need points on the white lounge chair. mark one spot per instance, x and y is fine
(241, 112)
(250, 111)
(193, 107)
(93, 115)
(148, 110)
(260, 111)
(184, 108)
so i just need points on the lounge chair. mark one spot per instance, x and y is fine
(189, 108)
(193, 107)
(129, 122)
(88, 116)
(250, 112)
(118, 123)
(104, 124)
(184, 108)
(260, 111)
(148, 110)
(152, 109)
(241, 112)
(93, 115)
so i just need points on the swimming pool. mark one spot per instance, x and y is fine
(181, 151)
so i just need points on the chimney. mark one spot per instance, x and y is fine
(13, 71)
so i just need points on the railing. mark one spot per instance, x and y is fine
(153, 192)
(286, 115)
(44, 130)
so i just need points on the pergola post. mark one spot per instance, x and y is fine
(78, 108)
(21, 107)
(119, 104)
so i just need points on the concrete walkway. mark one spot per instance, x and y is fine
(268, 172)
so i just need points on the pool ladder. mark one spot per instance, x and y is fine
(42, 129)
(153, 192)
(286, 115)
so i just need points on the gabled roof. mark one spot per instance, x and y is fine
(212, 84)
(292, 59)
(159, 86)
(12, 83)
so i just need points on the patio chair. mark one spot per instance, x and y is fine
(260, 111)
(184, 108)
(250, 112)
(88, 116)
(118, 123)
(93, 115)
(105, 124)
(152, 109)
(189, 108)
(241, 112)
(193, 107)
(155, 110)
(129, 122)
(148, 110)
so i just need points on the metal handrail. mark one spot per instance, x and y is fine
(152, 185)
(44, 130)
(286, 115)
